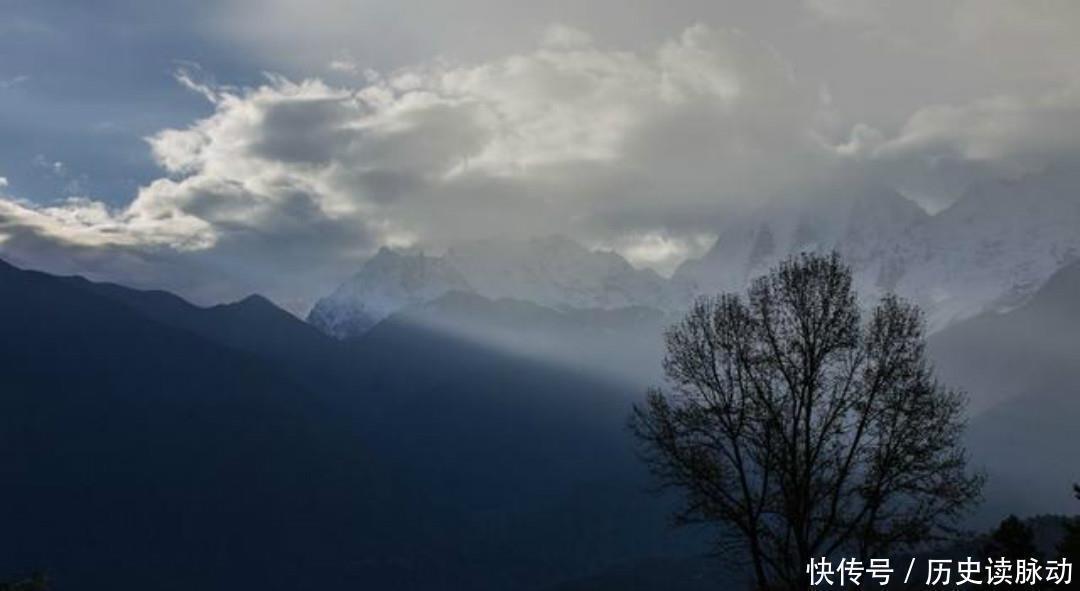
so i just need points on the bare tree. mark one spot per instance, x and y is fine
(804, 431)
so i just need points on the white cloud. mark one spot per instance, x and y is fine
(563, 36)
(941, 150)
(849, 12)
(188, 74)
(567, 137)
(657, 250)
(1007, 130)
(6, 83)
(285, 187)
(1012, 82)
(1032, 42)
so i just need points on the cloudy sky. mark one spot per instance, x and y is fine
(219, 148)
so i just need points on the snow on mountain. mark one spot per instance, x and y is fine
(994, 247)
(989, 251)
(558, 272)
(385, 284)
(555, 272)
(866, 227)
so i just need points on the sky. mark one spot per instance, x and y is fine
(222, 148)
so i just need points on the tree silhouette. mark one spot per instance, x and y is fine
(36, 582)
(1069, 547)
(801, 430)
(1013, 540)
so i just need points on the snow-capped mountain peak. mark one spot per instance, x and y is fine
(989, 250)
(864, 225)
(994, 247)
(386, 283)
(557, 272)
(552, 271)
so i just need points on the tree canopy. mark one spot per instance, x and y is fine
(803, 429)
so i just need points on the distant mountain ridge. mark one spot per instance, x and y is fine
(558, 272)
(554, 272)
(867, 227)
(989, 251)
(993, 248)
(149, 443)
(1021, 371)
(389, 282)
(237, 446)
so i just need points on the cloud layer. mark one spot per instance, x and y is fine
(287, 185)
(619, 148)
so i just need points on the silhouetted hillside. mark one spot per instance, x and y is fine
(154, 444)
(1022, 370)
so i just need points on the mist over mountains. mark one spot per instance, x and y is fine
(384, 295)
(1021, 370)
(988, 251)
(421, 454)
(460, 442)
(458, 420)
(154, 444)
(554, 272)
(995, 274)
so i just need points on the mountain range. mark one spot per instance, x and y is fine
(458, 421)
(464, 443)
(155, 444)
(152, 444)
(554, 272)
(989, 251)
(1021, 372)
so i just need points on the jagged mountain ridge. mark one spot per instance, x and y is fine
(558, 272)
(553, 271)
(163, 398)
(866, 227)
(1020, 370)
(989, 251)
(389, 282)
(207, 449)
(1003, 241)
